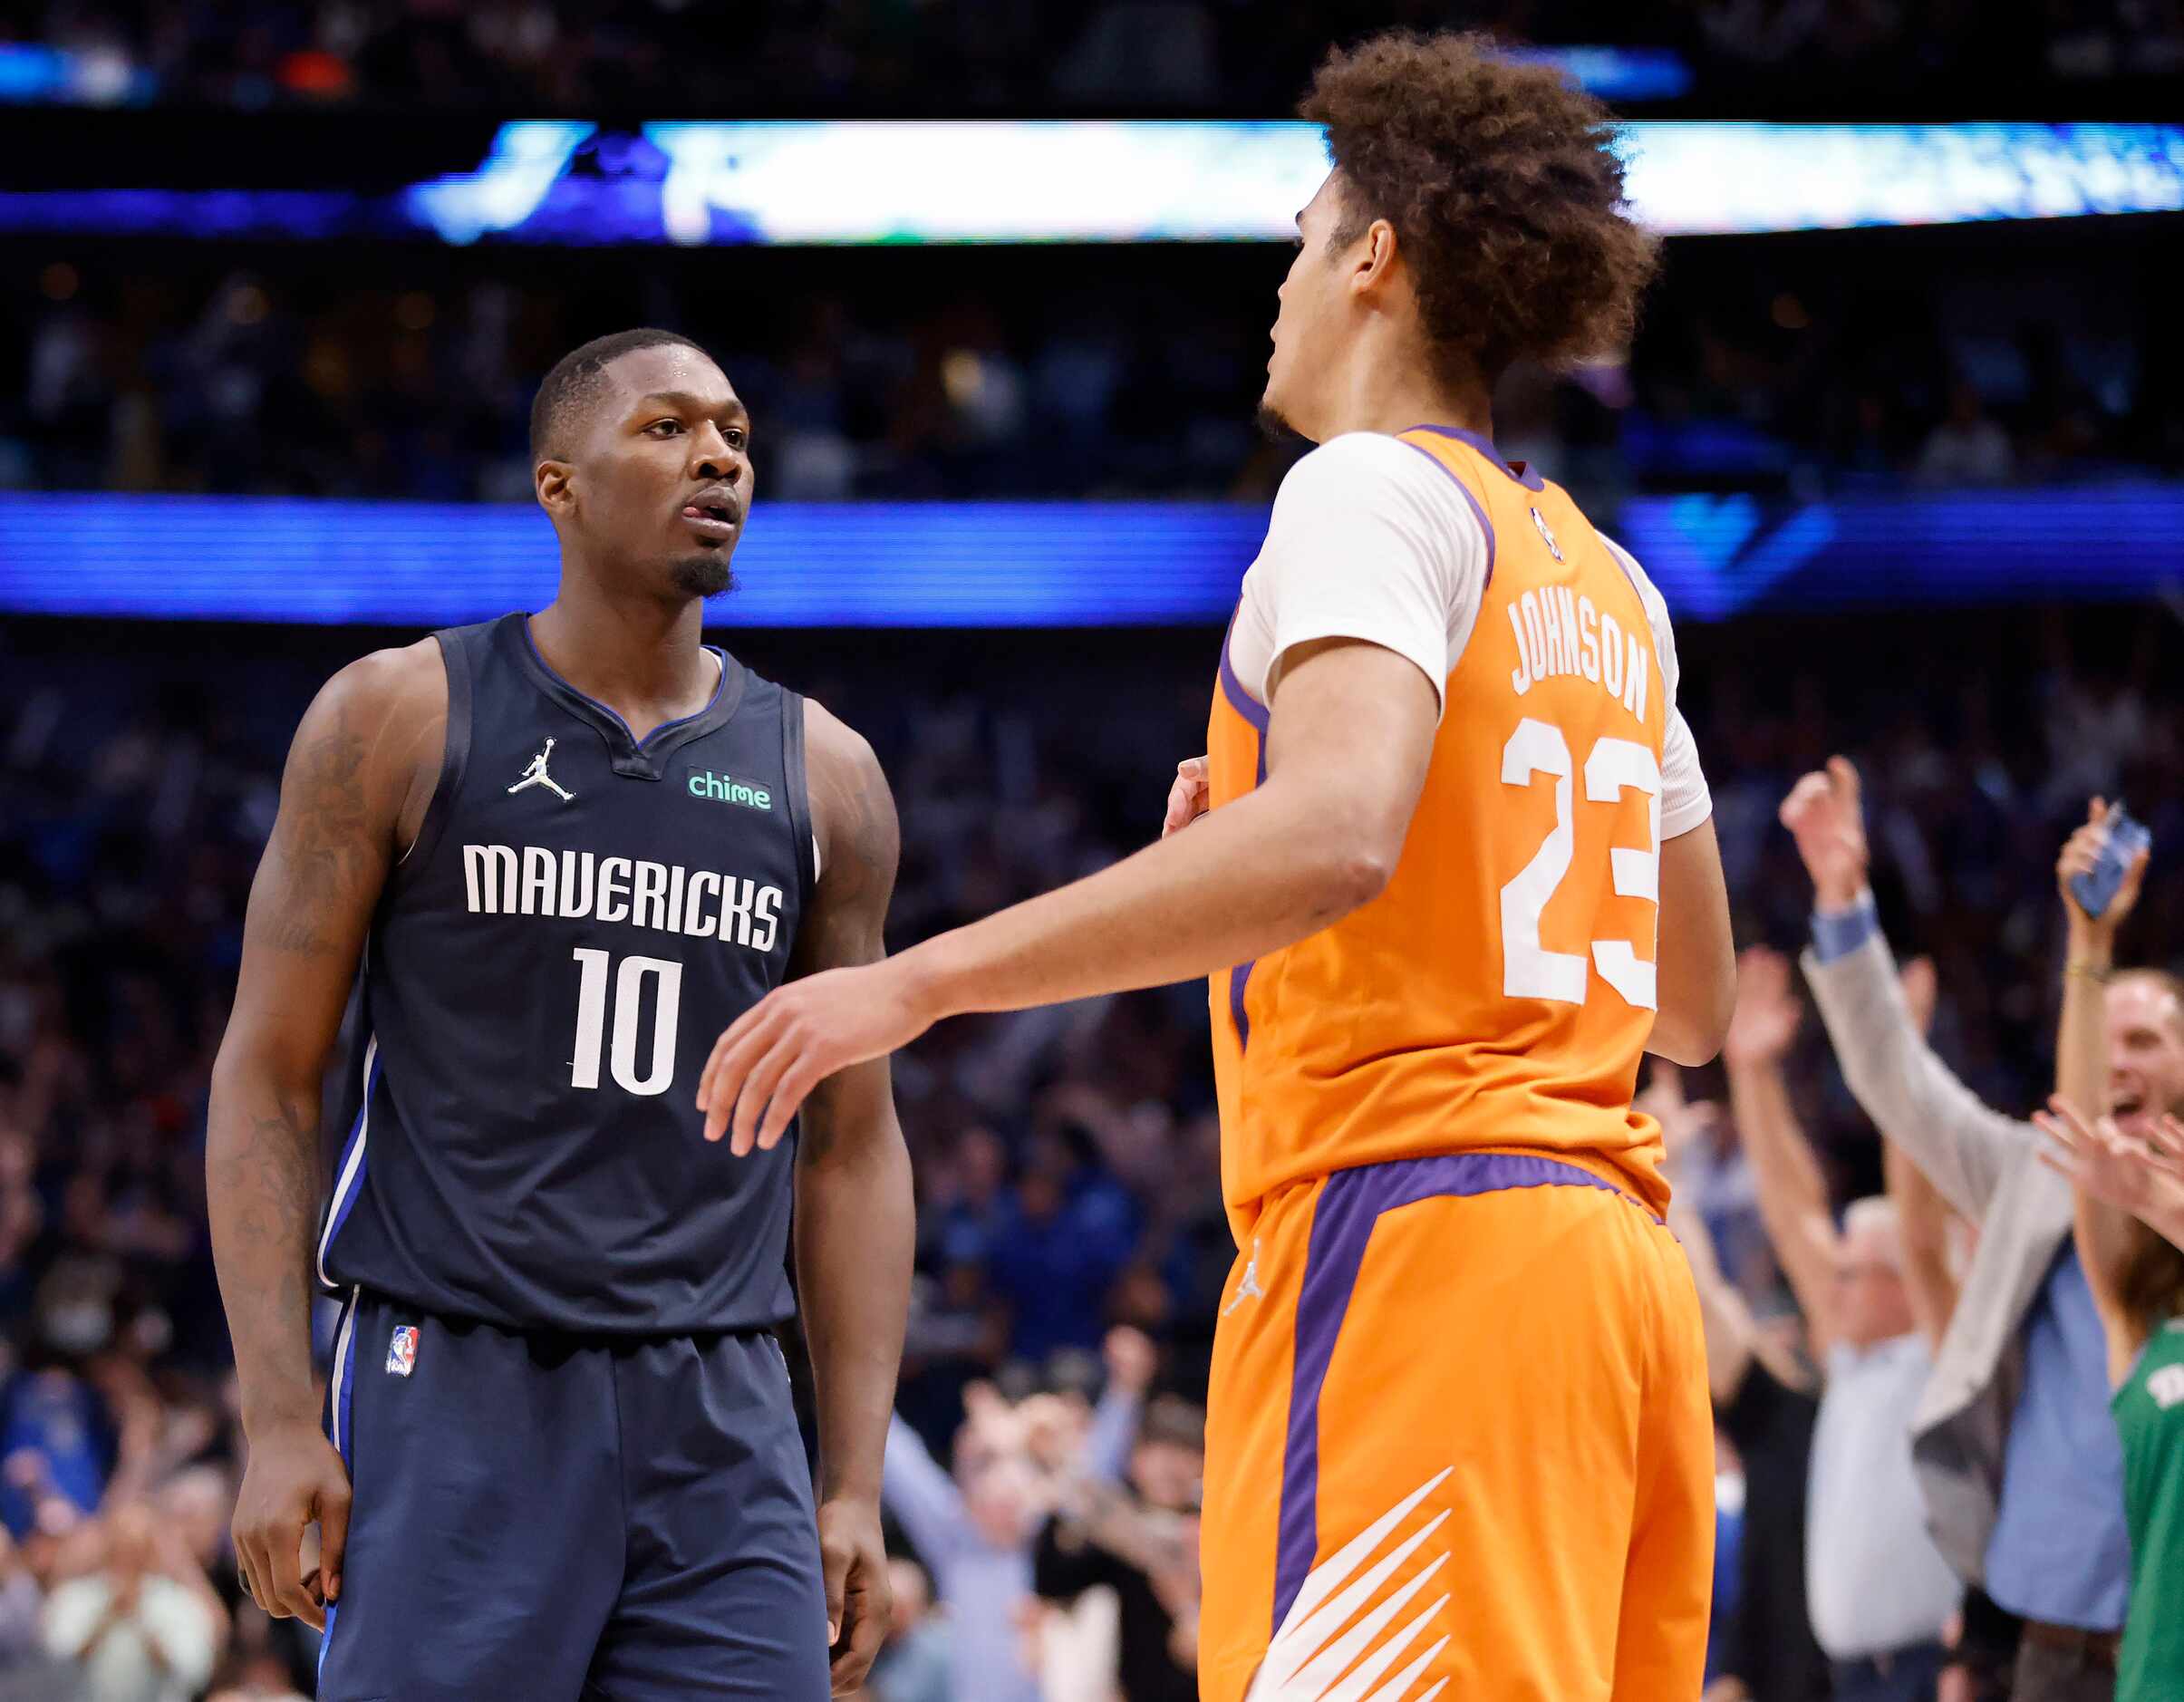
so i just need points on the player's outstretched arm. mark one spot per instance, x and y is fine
(1694, 977)
(856, 1222)
(348, 788)
(1351, 732)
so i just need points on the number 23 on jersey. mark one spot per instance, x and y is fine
(1539, 751)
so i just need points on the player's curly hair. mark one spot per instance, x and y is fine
(1506, 201)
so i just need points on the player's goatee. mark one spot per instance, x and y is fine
(705, 575)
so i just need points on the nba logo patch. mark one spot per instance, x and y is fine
(401, 1350)
(1554, 548)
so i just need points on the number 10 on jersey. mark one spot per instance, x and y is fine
(629, 999)
(1614, 766)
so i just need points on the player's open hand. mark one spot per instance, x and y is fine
(1188, 796)
(767, 1062)
(1826, 816)
(293, 1477)
(858, 1595)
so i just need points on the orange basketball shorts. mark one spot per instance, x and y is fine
(1458, 1442)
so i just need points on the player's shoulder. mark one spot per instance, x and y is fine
(853, 808)
(402, 679)
(839, 760)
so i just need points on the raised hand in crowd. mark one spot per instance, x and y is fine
(1825, 814)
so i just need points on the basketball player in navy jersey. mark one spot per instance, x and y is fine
(557, 1458)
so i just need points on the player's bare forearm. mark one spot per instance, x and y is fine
(855, 1231)
(262, 1165)
(1349, 735)
(1244, 882)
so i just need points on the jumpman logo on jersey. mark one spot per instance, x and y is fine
(1249, 1289)
(537, 774)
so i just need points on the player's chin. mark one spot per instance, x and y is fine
(704, 573)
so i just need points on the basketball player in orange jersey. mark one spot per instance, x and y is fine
(1457, 874)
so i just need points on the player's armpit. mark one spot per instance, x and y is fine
(1695, 979)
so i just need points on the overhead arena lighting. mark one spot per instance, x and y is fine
(854, 184)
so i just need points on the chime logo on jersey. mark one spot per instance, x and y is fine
(401, 1350)
(726, 788)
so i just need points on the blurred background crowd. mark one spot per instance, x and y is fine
(1851, 362)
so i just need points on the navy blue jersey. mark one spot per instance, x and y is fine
(579, 918)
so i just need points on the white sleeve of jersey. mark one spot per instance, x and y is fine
(1369, 539)
(1684, 801)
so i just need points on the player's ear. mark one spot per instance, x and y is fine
(551, 481)
(1375, 261)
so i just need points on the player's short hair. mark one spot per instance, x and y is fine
(1506, 199)
(575, 382)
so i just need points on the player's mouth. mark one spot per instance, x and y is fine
(2128, 1109)
(712, 516)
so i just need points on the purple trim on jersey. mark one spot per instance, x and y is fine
(1517, 471)
(1470, 495)
(1351, 1203)
(1239, 700)
(720, 685)
(1258, 714)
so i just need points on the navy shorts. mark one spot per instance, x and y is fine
(564, 1518)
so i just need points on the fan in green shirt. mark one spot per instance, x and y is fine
(2121, 1048)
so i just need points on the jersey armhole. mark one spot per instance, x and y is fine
(802, 832)
(455, 754)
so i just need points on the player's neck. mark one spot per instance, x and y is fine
(1387, 386)
(642, 658)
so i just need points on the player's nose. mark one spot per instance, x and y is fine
(712, 457)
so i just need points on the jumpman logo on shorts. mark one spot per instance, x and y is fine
(1249, 1289)
(537, 774)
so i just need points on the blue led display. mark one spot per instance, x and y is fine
(885, 565)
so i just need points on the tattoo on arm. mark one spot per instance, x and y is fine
(324, 840)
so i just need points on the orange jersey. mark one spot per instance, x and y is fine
(1497, 994)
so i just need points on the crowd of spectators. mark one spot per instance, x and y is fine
(546, 57)
(1023, 373)
(1065, 1160)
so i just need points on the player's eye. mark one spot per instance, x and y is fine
(664, 428)
(737, 437)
